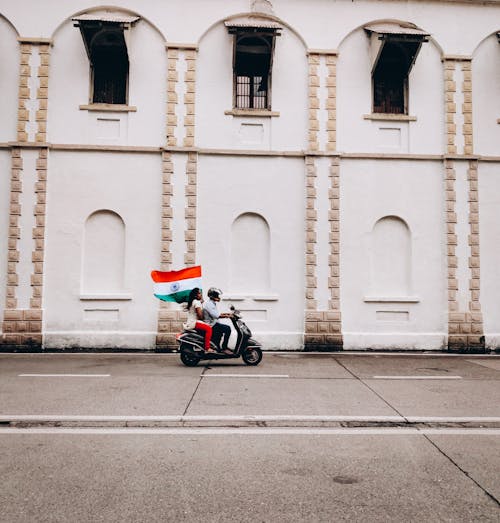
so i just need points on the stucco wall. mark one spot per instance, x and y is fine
(317, 180)
(129, 185)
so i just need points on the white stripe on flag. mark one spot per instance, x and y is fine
(164, 289)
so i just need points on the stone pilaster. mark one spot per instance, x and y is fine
(323, 328)
(190, 213)
(314, 61)
(165, 337)
(311, 233)
(465, 327)
(331, 103)
(25, 93)
(450, 105)
(189, 97)
(16, 187)
(42, 92)
(172, 98)
(467, 106)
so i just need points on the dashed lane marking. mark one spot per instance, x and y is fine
(417, 377)
(64, 375)
(245, 376)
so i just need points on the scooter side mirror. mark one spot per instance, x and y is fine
(231, 308)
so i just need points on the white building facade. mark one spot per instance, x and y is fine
(333, 165)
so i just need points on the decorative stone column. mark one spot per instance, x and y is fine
(322, 325)
(180, 130)
(465, 322)
(23, 315)
(314, 61)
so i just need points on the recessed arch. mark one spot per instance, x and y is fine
(481, 42)
(391, 257)
(103, 256)
(266, 16)
(10, 24)
(110, 8)
(250, 254)
(390, 21)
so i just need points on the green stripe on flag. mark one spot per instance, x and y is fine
(176, 297)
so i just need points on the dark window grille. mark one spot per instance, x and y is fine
(252, 70)
(107, 51)
(251, 92)
(390, 77)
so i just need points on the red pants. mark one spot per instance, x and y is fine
(205, 327)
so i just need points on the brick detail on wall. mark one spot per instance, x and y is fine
(465, 328)
(22, 329)
(467, 106)
(42, 93)
(331, 103)
(314, 61)
(450, 105)
(165, 336)
(191, 189)
(189, 97)
(169, 324)
(38, 253)
(323, 329)
(23, 110)
(311, 233)
(172, 98)
(14, 232)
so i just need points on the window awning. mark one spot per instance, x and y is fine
(252, 22)
(395, 30)
(107, 17)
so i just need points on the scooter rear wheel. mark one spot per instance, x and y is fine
(252, 356)
(189, 358)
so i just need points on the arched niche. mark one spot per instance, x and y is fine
(250, 254)
(103, 253)
(390, 257)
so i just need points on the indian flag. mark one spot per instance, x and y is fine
(176, 285)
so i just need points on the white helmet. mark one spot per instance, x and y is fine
(214, 292)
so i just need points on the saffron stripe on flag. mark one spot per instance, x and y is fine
(171, 276)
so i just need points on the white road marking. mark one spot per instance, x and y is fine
(245, 376)
(64, 375)
(186, 418)
(417, 377)
(251, 418)
(255, 431)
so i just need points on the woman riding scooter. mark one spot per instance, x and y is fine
(195, 317)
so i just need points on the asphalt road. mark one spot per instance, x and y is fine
(301, 437)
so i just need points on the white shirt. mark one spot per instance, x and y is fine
(192, 316)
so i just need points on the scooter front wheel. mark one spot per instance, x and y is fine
(189, 358)
(252, 356)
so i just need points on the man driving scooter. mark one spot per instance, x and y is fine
(211, 315)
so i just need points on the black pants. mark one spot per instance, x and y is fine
(220, 330)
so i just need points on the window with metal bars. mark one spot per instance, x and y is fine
(108, 57)
(390, 75)
(252, 68)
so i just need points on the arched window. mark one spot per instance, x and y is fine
(103, 253)
(250, 254)
(391, 257)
